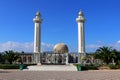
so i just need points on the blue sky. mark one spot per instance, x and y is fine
(59, 23)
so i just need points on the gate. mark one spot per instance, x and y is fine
(53, 58)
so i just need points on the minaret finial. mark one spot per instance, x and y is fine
(80, 17)
(38, 17)
(38, 13)
(80, 13)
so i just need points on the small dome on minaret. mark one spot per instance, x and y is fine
(38, 17)
(38, 13)
(80, 17)
(80, 13)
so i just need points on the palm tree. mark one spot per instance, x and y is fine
(104, 53)
(11, 56)
(114, 55)
(2, 60)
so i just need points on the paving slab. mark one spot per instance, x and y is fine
(60, 75)
(52, 68)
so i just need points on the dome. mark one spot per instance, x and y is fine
(38, 13)
(80, 13)
(60, 48)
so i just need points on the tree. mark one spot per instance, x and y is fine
(115, 56)
(11, 56)
(107, 54)
(2, 60)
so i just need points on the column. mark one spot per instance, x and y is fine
(37, 37)
(81, 39)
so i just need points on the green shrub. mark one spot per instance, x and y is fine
(9, 66)
(13, 66)
(92, 67)
(87, 67)
(29, 64)
(84, 68)
(114, 66)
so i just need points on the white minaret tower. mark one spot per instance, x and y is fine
(37, 37)
(81, 39)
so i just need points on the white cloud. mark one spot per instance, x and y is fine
(116, 45)
(118, 41)
(93, 47)
(26, 46)
(16, 46)
(47, 47)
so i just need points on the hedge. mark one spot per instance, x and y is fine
(9, 66)
(87, 67)
(13, 66)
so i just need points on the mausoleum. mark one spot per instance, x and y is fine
(60, 53)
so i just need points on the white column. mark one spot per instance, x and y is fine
(37, 36)
(66, 54)
(81, 39)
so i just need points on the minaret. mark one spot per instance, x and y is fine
(37, 37)
(81, 39)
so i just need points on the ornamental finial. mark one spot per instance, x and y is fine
(38, 13)
(80, 13)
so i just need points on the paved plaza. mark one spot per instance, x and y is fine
(70, 67)
(60, 75)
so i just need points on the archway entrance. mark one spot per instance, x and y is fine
(59, 59)
(53, 59)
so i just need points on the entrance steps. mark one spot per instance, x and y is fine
(69, 67)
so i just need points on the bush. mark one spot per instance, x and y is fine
(87, 67)
(9, 66)
(84, 68)
(114, 66)
(13, 66)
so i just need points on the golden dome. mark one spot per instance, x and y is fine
(60, 48)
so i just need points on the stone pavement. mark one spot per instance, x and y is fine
(60, 75)
(52, 68)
